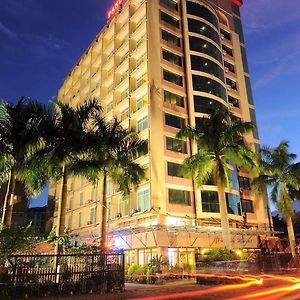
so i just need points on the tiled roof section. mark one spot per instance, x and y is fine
(238, 2)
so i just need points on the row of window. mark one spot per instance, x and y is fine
(82, 199)
(81, 223)
(210, 203)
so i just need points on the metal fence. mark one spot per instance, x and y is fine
(40, 275)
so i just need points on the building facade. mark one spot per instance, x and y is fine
(159, 65)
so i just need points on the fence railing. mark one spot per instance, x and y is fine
(63, 274)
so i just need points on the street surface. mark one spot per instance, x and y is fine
(266, 287)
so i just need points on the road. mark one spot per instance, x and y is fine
(265, 287)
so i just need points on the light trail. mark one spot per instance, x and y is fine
(268, 293)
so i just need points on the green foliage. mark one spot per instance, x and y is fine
(219, 254)
(281, 174)
(157, 262)
(219, 140)
(14, 239)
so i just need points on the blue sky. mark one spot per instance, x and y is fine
(41, 40)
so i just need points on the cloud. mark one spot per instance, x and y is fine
(8, 32)
(260, 15)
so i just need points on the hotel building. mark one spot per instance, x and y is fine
(156, 66)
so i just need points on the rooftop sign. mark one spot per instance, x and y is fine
(115, 8)
(239, 3)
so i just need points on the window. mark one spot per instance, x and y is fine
(203, 46)
(206, 105)
(144, 200)
(92, 215)
(227, 50)
(81, 198)
(123, 75)
(174, 170)
(206, 65)
(124, 95)
(249, 90)
(144, 150)
(210, 86)
(179, 197)
(234, 180)
(233, 204)
(142, 124)
(210, 201)
(231, 83)
(247, 206)
(94, 194)
(173, 98)
(70, 203)
(169, 19)
(69, 226)
(174, 121)
(80, 219)
(204, 29)
(226, 34)
(244, 59)
(173, 58)
(109, 107)
(140, 60)
(172, 77)
(109, 187)
(171, 38)
(229, 66)
(244, 183)
(176, 145)
(141, 81)
(203, 12)
(253, 120)
(170, 3)
(82, 181)
(124, 114)
(234, 101)
(141, 102)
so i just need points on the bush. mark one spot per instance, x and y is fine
(219, 254)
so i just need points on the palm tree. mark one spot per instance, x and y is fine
(115, 150)
(19, 140)
(280, 173)
(219, 140)
(68, 137)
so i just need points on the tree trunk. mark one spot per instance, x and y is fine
(104, 214)
(63, 205)
(9, 200)
(226, 236)
(291, 234)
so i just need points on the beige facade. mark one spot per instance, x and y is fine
(156, 66)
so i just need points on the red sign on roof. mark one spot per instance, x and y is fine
(239, 3)
(115, 8)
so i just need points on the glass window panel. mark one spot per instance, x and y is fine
(210, 201)
(179, 197)
(233, 204)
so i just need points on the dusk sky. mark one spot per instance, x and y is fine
(40, 40)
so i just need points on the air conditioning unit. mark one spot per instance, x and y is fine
(118, 215)
(228, 87)
(226, 70)
(224, 52)
(231, 105)
(222, 36)
(89, 222)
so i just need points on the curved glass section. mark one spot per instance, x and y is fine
(206, 105)
(210, 86)
(205, 47)
(204, 29)
(203, 12)
(206, 65)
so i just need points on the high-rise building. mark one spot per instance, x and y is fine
(156, 66)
